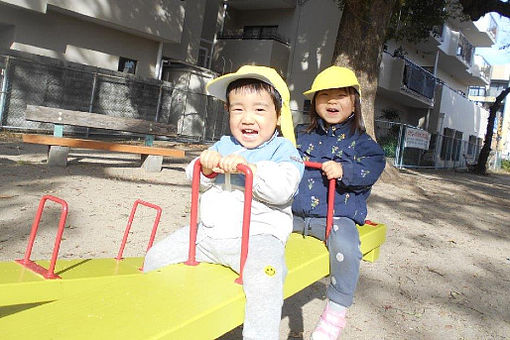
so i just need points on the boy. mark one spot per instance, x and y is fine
(257, 100)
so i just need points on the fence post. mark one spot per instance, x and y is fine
(3, 89)
(399, 154)
(91, 102)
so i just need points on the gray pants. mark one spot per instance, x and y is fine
(344, 254)
(264, 273)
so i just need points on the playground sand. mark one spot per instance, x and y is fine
(444, 271)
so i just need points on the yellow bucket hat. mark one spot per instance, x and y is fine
(333, 77)
(218, 88)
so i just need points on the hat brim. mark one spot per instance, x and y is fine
(218, 87)
(311, 93)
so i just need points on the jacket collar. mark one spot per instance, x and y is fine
(336, 129)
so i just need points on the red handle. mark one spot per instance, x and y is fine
(195, 186)
(130, 222)
(331, 198)
(26, 262)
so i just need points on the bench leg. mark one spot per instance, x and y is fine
(57, 156)
(372, 255)
(152, 163)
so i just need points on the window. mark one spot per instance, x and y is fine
(477, 91)
(497, 88)
(260, 32)
(447, 144)
(457, 143)
(127, 65)
(472, 145)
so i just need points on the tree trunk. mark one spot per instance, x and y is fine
(359, 46)
(481, 166)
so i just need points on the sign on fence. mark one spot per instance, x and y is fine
(416, 138)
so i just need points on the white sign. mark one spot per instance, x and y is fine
(416, 138)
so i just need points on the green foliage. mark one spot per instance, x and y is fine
(413, 20)
(505, 165)
(389, 145)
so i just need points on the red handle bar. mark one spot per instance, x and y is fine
(331, 198)
(195, 186)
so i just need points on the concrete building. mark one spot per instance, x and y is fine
(121, 36)
(284, 34)
(428, 84)
(421, 85)
(136, 42)
(185, 43)
(486, 95)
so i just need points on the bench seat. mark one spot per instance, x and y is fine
(100, 145)
(152, 157)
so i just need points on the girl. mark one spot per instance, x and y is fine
(336, 138)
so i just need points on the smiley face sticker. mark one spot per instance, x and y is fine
(270, 271)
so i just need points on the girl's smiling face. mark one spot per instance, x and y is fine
(253, 117)
(334, 105)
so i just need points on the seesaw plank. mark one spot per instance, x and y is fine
(21, 286)
(178, 302)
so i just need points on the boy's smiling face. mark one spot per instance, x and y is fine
(253, 117)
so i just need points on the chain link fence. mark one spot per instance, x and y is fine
(32, 80)
(441, 151)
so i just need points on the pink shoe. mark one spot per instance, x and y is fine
(330, 324)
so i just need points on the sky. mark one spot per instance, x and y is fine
(494, 55)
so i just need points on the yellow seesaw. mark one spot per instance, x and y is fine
(111, 298)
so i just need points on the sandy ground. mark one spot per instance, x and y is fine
(444, 271)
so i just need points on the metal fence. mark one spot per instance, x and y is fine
(443, 151)
(53, 83)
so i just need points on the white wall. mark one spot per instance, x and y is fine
(187, 47)
(67, 38)
(462, 114)
(231, 54)
(155, 19)
(316, 28)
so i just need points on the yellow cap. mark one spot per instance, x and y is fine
(218, 88)
(333, 77)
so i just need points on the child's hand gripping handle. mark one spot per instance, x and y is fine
(331, 198)
(195, 186)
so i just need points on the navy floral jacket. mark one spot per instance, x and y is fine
(362, 161)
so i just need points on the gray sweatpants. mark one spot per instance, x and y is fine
(264, 273)
(344, 254)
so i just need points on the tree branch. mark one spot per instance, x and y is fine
(478, 8)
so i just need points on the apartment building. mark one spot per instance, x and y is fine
(425, 85)
(185, 43)
(121, 36)
(421, 85)
(486, 95)
(284, 34)
(106, 56)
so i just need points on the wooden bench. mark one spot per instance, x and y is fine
(152, 157)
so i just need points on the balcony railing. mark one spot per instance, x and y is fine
(259, 36)
(493, 28)
(465, 50)
(485, 70)
(419, 80)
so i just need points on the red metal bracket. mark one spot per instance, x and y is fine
(130, 222)
(26, 262)
(331, 198)
(248, 189)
